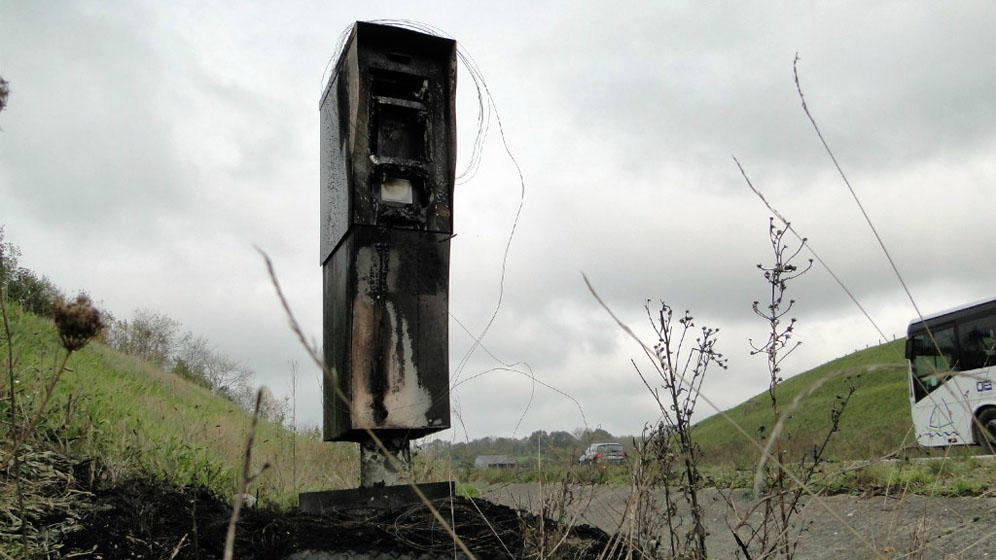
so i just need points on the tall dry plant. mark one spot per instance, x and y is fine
(12, 404)
(779, 344)
(248, 476)
(765, 529)
(668, 458)
(652, 508)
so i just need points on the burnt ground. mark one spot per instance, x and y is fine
(149, 519)
(72, 510)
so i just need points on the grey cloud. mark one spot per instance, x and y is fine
(677, 84)
(85, 142)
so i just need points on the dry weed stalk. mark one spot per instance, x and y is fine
(650, 518)
(669, 456)
(247, 478)
(9, 337)
(559, 511)
(766, 528)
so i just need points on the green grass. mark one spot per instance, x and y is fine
(941, 476)
(135, 418)
(583, 474)
(876, 421)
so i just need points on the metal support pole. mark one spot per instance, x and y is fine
(376, 469)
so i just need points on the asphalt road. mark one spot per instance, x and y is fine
(828, 527)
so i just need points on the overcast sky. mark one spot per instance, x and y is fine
(149, 146)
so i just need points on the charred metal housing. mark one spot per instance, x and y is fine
(388, 160)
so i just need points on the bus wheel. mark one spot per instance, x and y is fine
(987, 430)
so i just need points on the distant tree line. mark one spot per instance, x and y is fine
(22, 286)
(149, 335)
(555, 448)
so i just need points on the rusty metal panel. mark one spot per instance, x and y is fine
(388, 134)
(386, 334)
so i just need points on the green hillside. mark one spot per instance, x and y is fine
(875, 422)
(125, 417)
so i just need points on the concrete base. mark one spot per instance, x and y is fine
(378, 498)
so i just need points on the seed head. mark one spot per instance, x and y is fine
(77, 321)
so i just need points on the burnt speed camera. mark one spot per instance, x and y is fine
(388, 159)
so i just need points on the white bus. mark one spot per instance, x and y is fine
(951, 376)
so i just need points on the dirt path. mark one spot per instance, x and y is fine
(831, 528)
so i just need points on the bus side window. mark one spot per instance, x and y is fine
(976, 343)
(972, 350)
(948, 345)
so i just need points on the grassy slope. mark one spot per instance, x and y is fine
(876, 421)
(137, 417)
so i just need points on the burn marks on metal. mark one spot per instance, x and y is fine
(386, 333)
(387, 172)
(388, 134)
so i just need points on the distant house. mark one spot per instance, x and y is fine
(494, 462)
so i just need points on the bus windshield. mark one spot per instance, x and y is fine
(963, 340)
(931, 364)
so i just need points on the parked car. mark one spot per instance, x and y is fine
(603, 453)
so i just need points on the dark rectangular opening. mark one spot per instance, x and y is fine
(399, 132)
(398, 85)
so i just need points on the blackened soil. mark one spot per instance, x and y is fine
(149, 519)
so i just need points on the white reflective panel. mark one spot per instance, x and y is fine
(396, 189)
